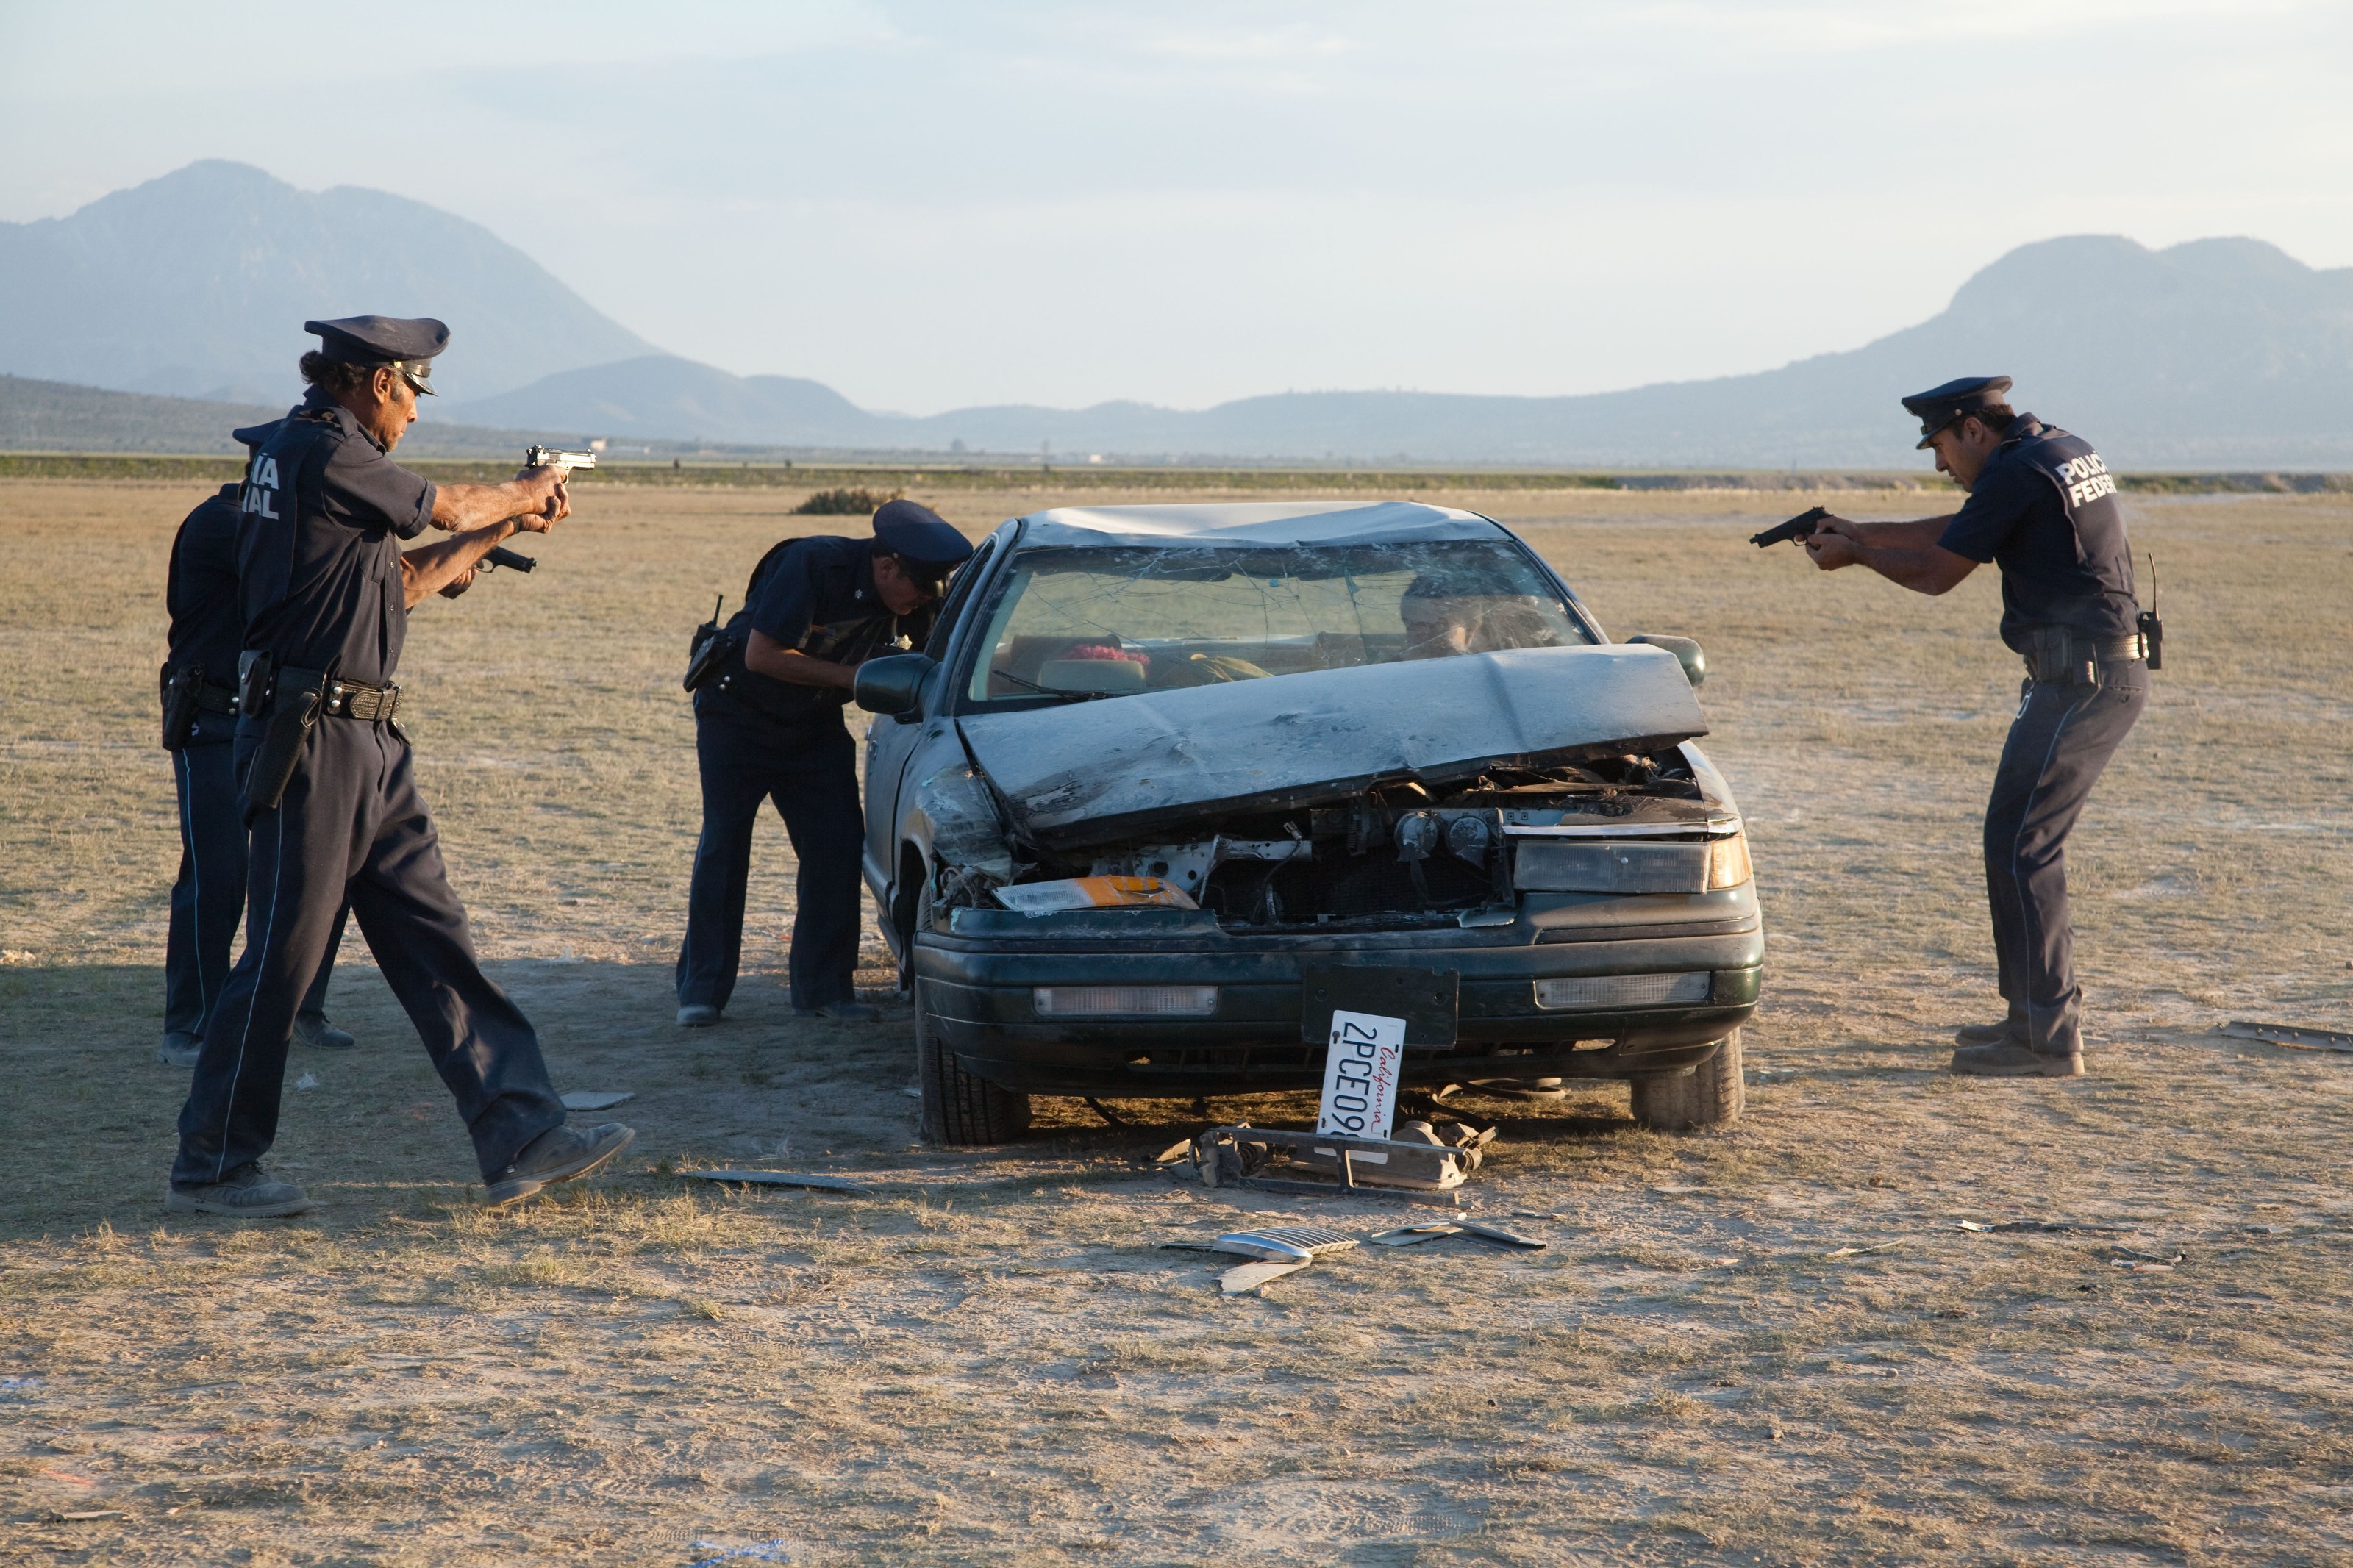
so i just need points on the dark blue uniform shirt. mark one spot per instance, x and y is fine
(319, 545)
(815, 596)
(207, 629)
(2045, 508)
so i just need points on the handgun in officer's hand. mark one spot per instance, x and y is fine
(500, 556)
(1801, 526)
(558, 457)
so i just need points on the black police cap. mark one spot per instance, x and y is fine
(1940, 406)
(920, 536)
(405, 345)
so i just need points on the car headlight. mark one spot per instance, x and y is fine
(1727, 861)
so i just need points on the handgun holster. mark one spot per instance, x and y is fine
(293, 714)
(179, 704)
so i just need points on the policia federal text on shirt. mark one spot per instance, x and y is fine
(768, 725)
(330, 797)
(2042, 506)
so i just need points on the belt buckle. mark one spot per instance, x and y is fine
(391, 698)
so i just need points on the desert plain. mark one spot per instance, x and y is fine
(1771, 1343)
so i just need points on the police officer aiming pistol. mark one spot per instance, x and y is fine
(769, 701)
(2042, 505)
(328, 791)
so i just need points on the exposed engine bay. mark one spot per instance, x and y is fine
(1396, 856)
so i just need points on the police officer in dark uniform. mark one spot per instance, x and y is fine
(331, 799)
(769, 725)
(2043, 505)
(199, 681)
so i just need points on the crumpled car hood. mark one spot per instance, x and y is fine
(1091, 773)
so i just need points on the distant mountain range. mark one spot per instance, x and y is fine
(198, 284)
(2215, 354)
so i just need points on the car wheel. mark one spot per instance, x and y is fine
(1710, 1095)
(960, 1109)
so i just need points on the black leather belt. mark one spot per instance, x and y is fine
(2057, 655)
(358, 700)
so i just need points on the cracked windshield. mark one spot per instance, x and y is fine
(1085, 622)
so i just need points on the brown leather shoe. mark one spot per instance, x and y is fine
(2012, 1059)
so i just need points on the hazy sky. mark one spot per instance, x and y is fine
(928, 206)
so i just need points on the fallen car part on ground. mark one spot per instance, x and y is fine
(1245, 1279)
(1419, 1166)
(1479, 1230)
(778, 1179)
(2294, 1036)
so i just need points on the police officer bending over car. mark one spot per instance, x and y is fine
(768, 725)
(330, 795)
(2042, 505)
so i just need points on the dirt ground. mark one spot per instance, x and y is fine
(988, 1359)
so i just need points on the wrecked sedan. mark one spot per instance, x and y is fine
(1170, 784)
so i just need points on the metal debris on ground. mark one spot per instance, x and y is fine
(1502, 1238)
(1247, 1277)
(1477, 1230)
(1859, 1251)
(1180, 1151)
(2046, 1228)
(2294, 1036)
(1678, 1192)
(1419, 1165)
(2137, 1266)
(596, 1098)
(78, 1515)
(779, 1179)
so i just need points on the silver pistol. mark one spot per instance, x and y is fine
(558, 457)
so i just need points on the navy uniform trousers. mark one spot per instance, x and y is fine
(810, 770)
(209, 893)
(2062, 739)
(351, 826)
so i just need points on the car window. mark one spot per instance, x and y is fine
(959, 590)
(1115, 621)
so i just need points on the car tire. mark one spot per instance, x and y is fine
(960, 1109)
(1710, 1095)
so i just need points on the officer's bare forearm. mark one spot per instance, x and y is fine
(1926, 570)
(458, 508)
(763, 655)
(429, 568)
(1915, 535)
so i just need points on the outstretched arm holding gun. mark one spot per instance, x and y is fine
(1903, 552)
(448, 568)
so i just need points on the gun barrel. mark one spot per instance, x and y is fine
(1798, 527)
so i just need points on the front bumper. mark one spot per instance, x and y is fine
(980, 974)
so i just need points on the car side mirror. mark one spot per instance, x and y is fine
(894, 685)
(1687, 653)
